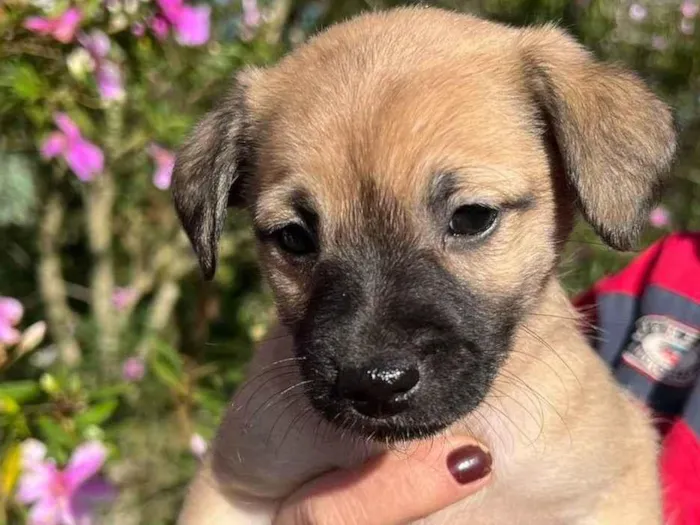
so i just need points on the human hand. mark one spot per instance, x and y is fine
(393, 489)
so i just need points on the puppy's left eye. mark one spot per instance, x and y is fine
(472, 220)
(295, 240)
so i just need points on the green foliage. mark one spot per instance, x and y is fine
(137, 299)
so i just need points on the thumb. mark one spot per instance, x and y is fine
(392, 489)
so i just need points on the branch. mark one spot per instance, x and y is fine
(278, 16)
(159, 314)
(51, 284)
(100, 205)
(100, 201)
(168, 292)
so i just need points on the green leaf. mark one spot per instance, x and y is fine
(18, 197)
(53, 433)
(8, 406)
(166, 374)
(97, 414)
(210, 401)
(9, 470)
(49, 384)
(20, 391)
(26, 83)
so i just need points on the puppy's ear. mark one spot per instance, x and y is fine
(615, 138)
(208, 171)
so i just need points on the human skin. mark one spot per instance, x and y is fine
(395, 488)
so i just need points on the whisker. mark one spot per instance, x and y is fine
(292, 402)
(272, 399)
(551, 348)
(251, 397)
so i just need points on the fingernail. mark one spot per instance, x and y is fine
(469, 464)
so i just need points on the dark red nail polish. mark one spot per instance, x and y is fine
(469, 464)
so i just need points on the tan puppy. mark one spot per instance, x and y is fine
(412, 176)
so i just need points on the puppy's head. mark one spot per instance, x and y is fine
(411, 175)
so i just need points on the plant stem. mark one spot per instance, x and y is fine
(51, 284)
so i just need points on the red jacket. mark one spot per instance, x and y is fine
(647, 320)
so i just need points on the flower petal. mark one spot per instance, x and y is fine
(162, 177)
(109, 81)
(133, 369)
(33, 453)
(97, 43)
(659, 217)
(85, 159)
(45, 512)
(35, 485)
(67, 126)
(55, 144)
(198, 445)
(86, 461)
(39, 25)
(160, 27)
(9, 335)
(32, 336)
(96, 489)
(192, 26)
(11, 310)
(172, 9)
(67, 25)
(251, 13)
(165, 161)
(122, 297)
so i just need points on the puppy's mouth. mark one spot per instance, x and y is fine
(403, 400)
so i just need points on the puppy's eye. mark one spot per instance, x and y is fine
(472, 220)
(294, 239)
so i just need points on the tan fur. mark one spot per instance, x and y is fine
(569, 447)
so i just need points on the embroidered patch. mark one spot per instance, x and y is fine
(665, 350)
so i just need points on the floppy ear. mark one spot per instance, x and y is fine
(615, 138)
(208, 172)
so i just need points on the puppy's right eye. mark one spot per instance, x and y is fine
(473, 220)
(294, 239)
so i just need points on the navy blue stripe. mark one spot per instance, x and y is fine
(662, 302)
(691, 413)
(617, 316)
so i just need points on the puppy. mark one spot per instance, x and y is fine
(411, 177)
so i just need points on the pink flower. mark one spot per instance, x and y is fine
(84, 158)
(637, 12)
(63, 497)
(689, 9)
(11, 311)
(62, 27)
(138, 29)
(123, 297)
(165, 160)
(191, 24)
(198, 445)
(660, 217)
(251, 13)
(107, 73)
(159, 26)
(133, 369)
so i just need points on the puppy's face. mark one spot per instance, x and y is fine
(411, 176)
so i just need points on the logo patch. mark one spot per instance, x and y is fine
(665, 350)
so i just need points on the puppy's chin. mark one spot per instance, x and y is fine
(451, 387)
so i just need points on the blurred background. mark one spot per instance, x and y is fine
(116, 359)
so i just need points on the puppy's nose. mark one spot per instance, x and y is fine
(378, 391)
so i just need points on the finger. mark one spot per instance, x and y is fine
(393, 489)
